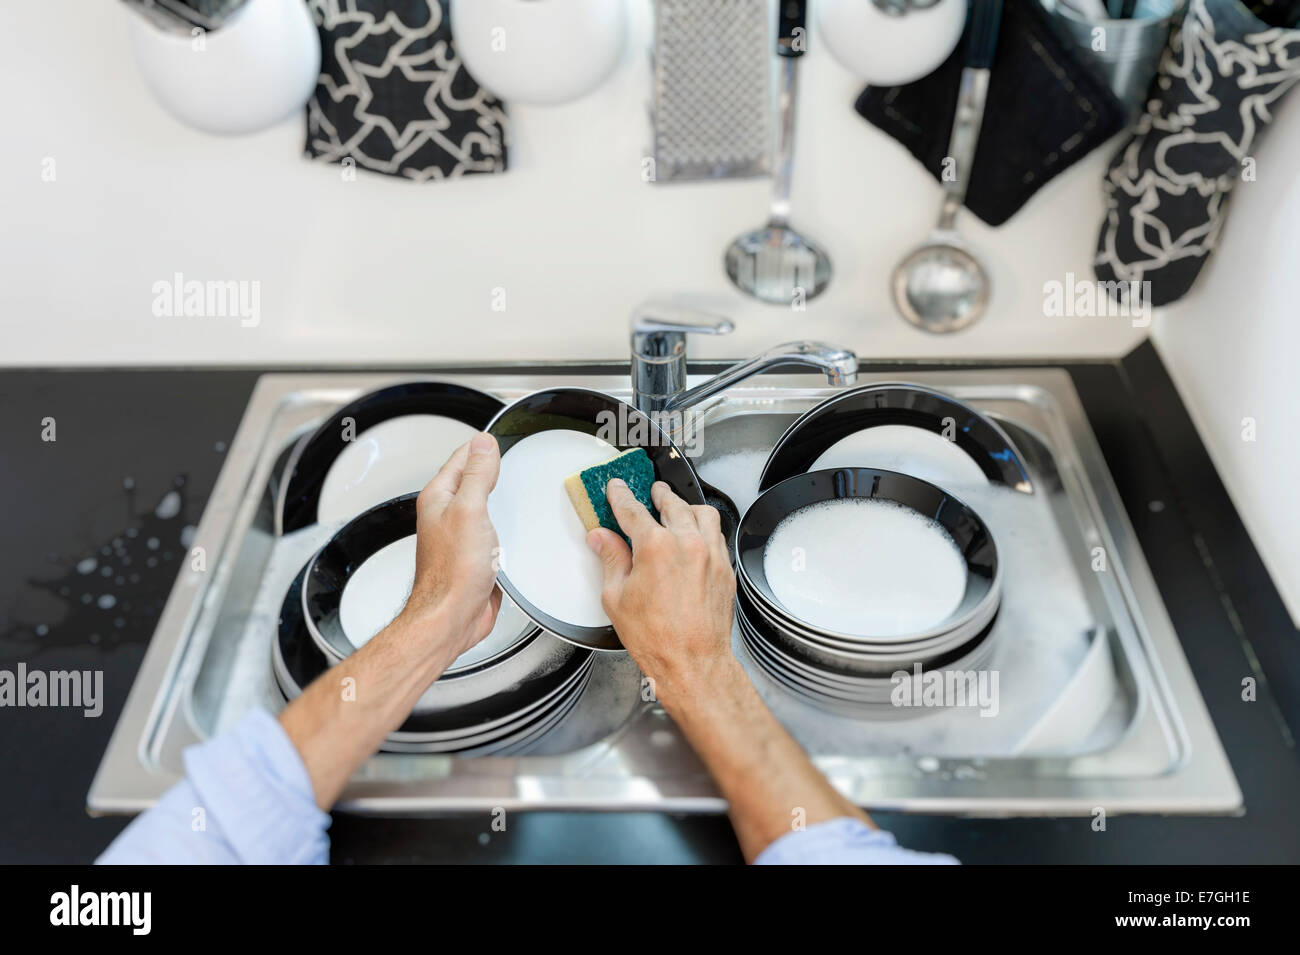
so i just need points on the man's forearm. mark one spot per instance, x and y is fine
(764, 774)
(343, 717)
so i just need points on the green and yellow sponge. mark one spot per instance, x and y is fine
(586, 489)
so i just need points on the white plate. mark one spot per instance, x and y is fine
(393, 458)
(543, 543)
(377, 591)
(900, 447)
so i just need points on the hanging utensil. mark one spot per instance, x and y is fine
(775, 263)
(942, 287)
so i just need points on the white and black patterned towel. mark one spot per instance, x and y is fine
(394, 97)
(1168, 185)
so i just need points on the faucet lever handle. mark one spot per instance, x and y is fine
(665, 318)
(659, 331)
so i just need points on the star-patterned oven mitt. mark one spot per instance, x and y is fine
(393, 97)
(1168, 185)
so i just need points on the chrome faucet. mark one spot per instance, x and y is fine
(659, 358)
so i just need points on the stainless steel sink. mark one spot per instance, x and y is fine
(1157, 750)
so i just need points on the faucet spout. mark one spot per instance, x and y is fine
(839, 365)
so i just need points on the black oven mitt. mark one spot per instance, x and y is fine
(1046, 110)
(393, 97)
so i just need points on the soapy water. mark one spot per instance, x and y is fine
(1037, 647)
(1038, 644)
(735, 475)
(865, 567)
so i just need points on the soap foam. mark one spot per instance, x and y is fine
(1038, 645)
(865, 567)
(735, 475)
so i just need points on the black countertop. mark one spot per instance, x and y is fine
(95, 524)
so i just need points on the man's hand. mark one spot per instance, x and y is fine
(456, 557)
(670, 598)
(344, 715)
(672, 603)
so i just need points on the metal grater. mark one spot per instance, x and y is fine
(711, 117)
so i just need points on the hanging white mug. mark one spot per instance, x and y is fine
(539, 52)
(886, 48)
(259, 68)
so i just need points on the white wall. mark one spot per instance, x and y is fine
(379, 270)
(1233, 349)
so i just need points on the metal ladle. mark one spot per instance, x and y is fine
(775, 263)
(942, 287)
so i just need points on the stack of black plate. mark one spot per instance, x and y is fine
(494, 706)
(849, 671)
(498, 698)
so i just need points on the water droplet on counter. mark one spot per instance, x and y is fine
(134, 603)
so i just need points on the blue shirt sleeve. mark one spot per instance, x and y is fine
(845, 841)
(246, 798)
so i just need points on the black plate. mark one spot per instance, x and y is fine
(580, 409)
(968, 532)
(335, 563)
(310, 464)
(305, 661)
(329, 571)
(762, 629)
(913, 405)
